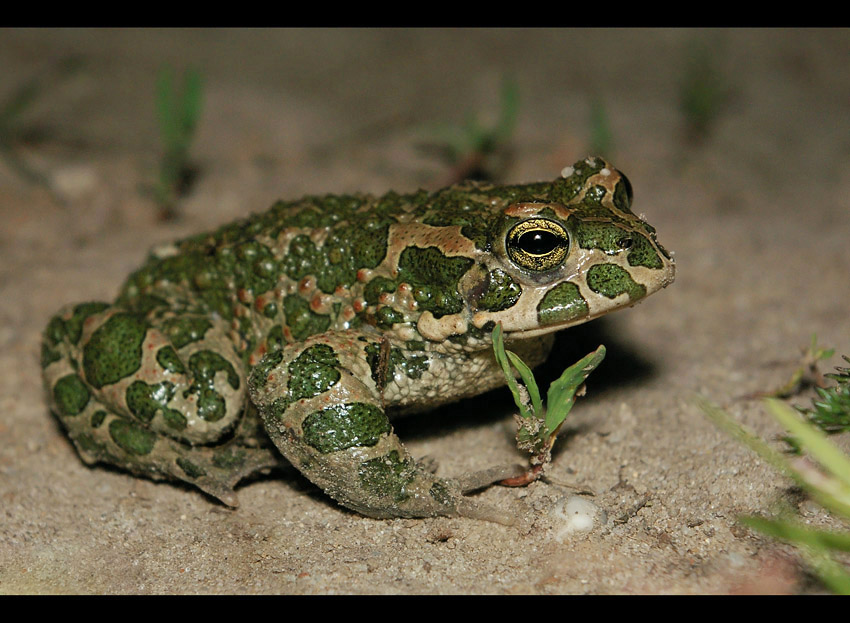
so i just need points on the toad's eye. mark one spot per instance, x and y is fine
(538, 244)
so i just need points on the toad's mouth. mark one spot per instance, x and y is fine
(522, 334)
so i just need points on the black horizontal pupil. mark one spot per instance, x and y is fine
(538, 242)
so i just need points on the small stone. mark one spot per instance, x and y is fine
(575, 515)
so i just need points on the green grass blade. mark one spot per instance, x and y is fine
(815, 546)
(165, 107)
(755, 443)
(502, 359)
(530, 384)
(21, 99)
(191, 103)
(822, 488)
(795, 532)
(813, 440)
(601, 137)
(178, 112)
(561, 395)
(509, 111)
(830, 572)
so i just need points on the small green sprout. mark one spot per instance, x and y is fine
(601, 137)
(469, 147)
(827, 481)
(538, 423)
(702, 92)
(14, 130)
(178, 115)
(10, 113)
(832, 412)
(806, 374)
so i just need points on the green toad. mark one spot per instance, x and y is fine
(298, 331)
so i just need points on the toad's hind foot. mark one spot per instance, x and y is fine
(153, 397)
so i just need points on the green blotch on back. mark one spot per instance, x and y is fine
(48, 355)
(302, 257)
(174, 419)
(72, 328)
(564, 189)
(144, 401)
(388, 476)
(276, 410)
(387, 316)
(270, 310)
(274, 338)
(260, 373)
(522, 193)
(611, 280)
(434, 277)
(376, 287)
(594, 195)
(196, 266)
(131, 437)
(168, 359)
(114, 350)
(502, 292)
(55, 331)
(59, 329)
(303, 321)
(145, 303)
(74, 325)
(319, 211)
(247, 264)
(205, 363)
(456, 207)
(97, 418)
(184, 330)
(344, 426)
(359, 243)
(563, 303)
(313, 372)
(203, 366)
(71, 395)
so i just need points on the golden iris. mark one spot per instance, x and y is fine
(538, 244)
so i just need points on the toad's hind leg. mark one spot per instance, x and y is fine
(321, 403)
(160, 398)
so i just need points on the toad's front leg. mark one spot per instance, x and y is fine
(321, 403)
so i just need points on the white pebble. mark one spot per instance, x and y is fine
(575, 514)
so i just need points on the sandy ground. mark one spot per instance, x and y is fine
(757, 215)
